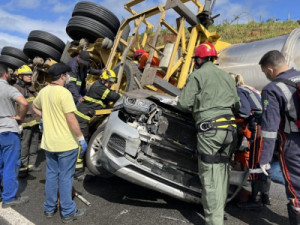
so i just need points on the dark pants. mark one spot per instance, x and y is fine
(29, 146)
(84, 127)
(290, 161)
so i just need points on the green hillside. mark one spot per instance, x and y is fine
(241, 33)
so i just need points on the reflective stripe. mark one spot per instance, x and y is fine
(30, 166)
(73, 79)
(106, 92)
(30, 123)
(290, 126)
(78, 166)
(78, 83)
(257, 102)
(268, 134)
(80, 114)
(23, 168)
(89, 99)
(30, 99)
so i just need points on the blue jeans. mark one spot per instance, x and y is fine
(59, 177)
(10, 148)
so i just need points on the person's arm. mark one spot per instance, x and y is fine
(22, 109)
(187, 95)
(36, 110)
(73, 124)
(95, 71)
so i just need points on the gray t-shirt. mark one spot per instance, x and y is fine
(8, 95)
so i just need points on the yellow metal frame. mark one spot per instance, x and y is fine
(183, 66)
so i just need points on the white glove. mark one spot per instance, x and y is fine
(264, 168)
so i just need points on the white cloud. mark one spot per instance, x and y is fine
(59, 8)
(27, 4)
(10, 40)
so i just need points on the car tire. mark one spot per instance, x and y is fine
(98, 13)
(94, 146)
(83, 27)
(33, 49)
(11, 61)
(48, 39)
(15, 52)
(130, 71)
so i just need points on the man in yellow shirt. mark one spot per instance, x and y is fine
(60, 142)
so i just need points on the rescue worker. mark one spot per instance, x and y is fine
(210, 95)
(248, 115)
(281, 107)
(10, 145)
(30, 126)
(80, 66)
(142, 56)
(98, 97)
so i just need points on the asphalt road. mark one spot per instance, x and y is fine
(115, 201)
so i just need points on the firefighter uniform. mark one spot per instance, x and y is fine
(281, 109)
(210, 95)
(31, 132)
(97, 97)
(78, 74)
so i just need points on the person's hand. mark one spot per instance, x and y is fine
(83, 145)
(264, 168)
(81, 99)
(18, 119)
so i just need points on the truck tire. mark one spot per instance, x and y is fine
(93, 149)
(34, 48)
(15, 52)
(130, 71)
(47, 38)
(98, 13)
(83, 27)
(11, 61)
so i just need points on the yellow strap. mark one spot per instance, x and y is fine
(106, 92)
(30, 123)
(227, 125)
(80, 114)
(89, 99)
(30, 99)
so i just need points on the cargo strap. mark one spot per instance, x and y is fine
(221, 122)
(80, 114)
(89, 99)
(30, 123)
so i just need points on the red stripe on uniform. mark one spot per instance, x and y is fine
(285, 170)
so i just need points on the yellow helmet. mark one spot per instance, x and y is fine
(24, 70)
(109, 75)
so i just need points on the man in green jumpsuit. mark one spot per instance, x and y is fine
(210, 95)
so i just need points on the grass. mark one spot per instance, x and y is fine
(242, 33)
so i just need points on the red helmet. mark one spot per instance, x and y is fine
(139, 52)
(206, 49)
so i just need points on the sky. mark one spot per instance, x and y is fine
(19, 17)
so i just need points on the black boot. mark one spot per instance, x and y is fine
(294, 215)
(265, 191)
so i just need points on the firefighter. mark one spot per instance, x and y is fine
(30, 126)
(142, 56)
(280, 116)
(210, 95)
(97, 97)
(248, 116)
(80, 66)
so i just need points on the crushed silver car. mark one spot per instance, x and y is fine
(149, 142)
